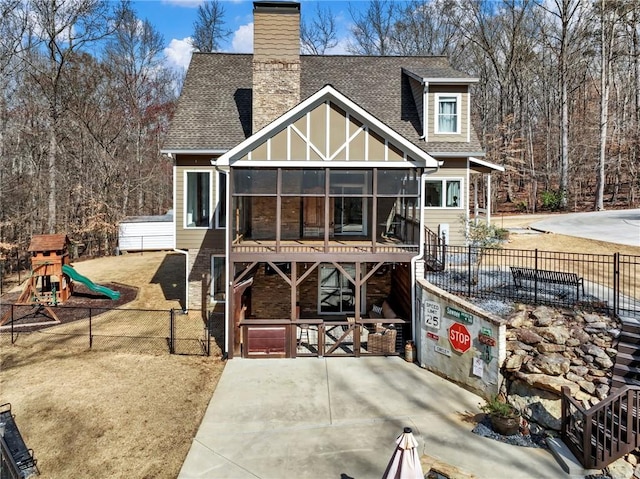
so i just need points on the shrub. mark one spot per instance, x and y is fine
(551, 200)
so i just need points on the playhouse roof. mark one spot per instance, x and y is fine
(48, 243)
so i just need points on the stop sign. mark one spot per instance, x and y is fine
(459, 337)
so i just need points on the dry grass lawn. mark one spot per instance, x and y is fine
(97, 414)
(90, 414)
(556, 242)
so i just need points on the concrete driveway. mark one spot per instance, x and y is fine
(338, 418)
(615, 226)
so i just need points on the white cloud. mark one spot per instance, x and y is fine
(178, 52)
(242, 41)
(340, 48)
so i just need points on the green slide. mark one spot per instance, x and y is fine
(74, 275)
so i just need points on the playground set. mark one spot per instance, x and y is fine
(52, 276)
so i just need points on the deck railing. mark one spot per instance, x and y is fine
(434, 250)
(605, 432)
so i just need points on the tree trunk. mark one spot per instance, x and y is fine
(52, 177)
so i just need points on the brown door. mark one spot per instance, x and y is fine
(313, 219)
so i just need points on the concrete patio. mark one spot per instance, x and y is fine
(338, 418)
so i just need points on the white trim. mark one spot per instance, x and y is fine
(486, 163)
(216, 212)
(185, 200)
(305, 137)
(327, 93)
(215, 151)
(175, 202)
(468, 96)
(327, 128)
(425, 110)
(449, 81)
(456, 154)
(440, 79)
(334, 164)
(436, 113)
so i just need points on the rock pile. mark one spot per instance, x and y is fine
(549, 348)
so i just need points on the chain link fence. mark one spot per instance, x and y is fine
(107, 329)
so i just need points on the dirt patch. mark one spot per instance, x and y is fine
(89, 413)
(77, 307)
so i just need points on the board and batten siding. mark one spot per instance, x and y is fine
(439, 90)
(194, 238)
(434, 217)
(327, 133)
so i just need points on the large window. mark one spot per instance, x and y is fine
(198, 199)
(443, 193)
(221, 208)
(447, 113)
(337, 294)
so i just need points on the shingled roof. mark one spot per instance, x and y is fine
(214, 110)
(48, 243)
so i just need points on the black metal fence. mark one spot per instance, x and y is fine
(108, 329)
(600, 282)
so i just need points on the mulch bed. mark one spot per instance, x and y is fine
(76, 308)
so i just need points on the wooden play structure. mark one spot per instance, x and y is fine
(52, 276)
(47, 283)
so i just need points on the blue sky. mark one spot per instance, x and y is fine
(175, 18)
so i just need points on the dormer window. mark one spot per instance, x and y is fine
(447, 113)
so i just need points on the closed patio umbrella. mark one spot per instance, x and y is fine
(405, 462)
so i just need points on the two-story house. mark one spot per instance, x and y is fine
(303, 185)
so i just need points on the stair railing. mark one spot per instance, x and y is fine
(606, 431)
(434, 250)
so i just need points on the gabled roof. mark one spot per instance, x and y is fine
(327, 93)
(48, 243)
(214, 110)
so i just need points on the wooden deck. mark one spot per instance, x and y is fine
(302, 247)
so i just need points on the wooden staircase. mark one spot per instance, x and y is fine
(610, 429)
(626, 370)
(605, 432)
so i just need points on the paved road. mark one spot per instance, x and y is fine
(616, 226)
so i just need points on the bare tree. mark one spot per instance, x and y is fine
(12, 28)
(209, 28)
(319, 34)
(610, 16)
(372, 29)
(59, 29)
(566, 35)
(429, 27)
(134, 54)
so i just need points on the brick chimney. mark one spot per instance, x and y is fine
(276, 60)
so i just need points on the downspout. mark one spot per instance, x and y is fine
(425, 111)
(227, 249)
(185, 309)
(414, 261)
